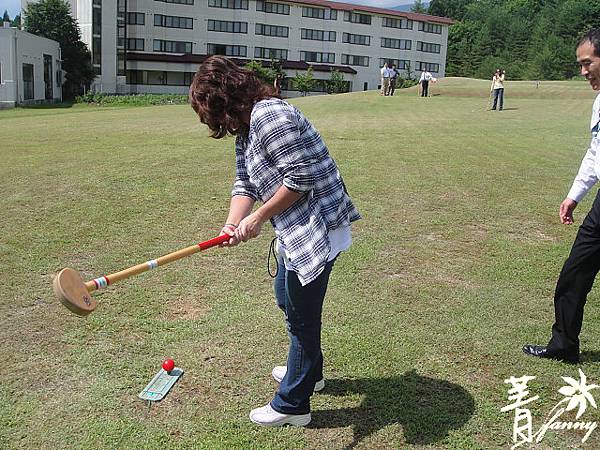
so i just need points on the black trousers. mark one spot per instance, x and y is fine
(424, 88)
(575, 282)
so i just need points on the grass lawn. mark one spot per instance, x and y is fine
(452, 270)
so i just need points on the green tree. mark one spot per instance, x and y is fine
(277, 68)
(336, 83)
(304, 82)
(418, 7)
(16, 21)
(264, 73)
(454, 9)
(5, 17)
(52, 19)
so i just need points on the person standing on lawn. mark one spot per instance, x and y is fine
(581, 267)
(283, 163)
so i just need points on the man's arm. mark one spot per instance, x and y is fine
(584, 181)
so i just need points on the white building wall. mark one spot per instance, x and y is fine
(8, 68)
(17, 48)
(200, 37)
(200, 12)
(107, 81)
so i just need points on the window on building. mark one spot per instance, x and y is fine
(430, 67)
(173, 22)
(135, 44)
(353, 17)
(229, 4)
(226, 50)
(121, 31)
(319, 13)
(96, 36)
(427, 27)
(180, 2)
(226, 26)
(390, 22)
(172, 46)
(358, 39)
(428, 47)
(58, 73)
(28, 82)
(159, 77)
(135, 77)
(48, 92)
(317, 57)
(355, 60)
(121, 62)
(317, 35)
(401, 64)
(136, 18)
(96, 21)
(271, 30)
(270, 53)
(400, 44)
(273, 8)
(97, 54)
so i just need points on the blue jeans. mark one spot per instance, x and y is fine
(498, 95)
(302, 306)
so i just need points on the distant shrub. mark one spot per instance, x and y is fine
(402, 83)
(102, 99)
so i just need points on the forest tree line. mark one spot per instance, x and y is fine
(530, 39)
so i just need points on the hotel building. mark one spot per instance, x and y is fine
(155, 46)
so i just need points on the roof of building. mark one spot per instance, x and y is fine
(369, 9)
(192, 58)
(22, 33)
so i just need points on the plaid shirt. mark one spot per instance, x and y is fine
(283, 148)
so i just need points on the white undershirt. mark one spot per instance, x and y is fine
(340, 239)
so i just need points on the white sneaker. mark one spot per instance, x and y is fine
(279, 372)
(268, 417)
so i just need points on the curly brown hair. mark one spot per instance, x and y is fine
(223, 95)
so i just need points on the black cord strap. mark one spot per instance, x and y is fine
(272, 252)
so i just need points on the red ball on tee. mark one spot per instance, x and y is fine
(168, 365)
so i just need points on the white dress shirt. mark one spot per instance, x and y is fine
(589, 171)
(425, 76)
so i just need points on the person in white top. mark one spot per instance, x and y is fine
(498, 89)
(582, 266)
(385, 79)
(426, 77)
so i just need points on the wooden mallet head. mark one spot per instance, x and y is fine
(74, 293)
(70, 288)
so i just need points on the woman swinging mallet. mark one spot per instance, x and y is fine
(283, 163)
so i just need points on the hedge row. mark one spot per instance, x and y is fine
(101, 99)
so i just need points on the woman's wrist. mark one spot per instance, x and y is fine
(230, 226)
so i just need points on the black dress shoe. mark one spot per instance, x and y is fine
(541, 351)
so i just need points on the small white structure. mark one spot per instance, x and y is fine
(30, 69)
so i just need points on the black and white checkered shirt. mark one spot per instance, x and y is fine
(283, 148)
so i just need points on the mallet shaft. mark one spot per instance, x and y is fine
(104, 281)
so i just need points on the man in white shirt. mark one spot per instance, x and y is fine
(582, 266)
(385, 80)
(426, 77)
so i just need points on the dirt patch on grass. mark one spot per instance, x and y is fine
(185, 309)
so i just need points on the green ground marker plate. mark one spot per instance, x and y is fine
(160, 385)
